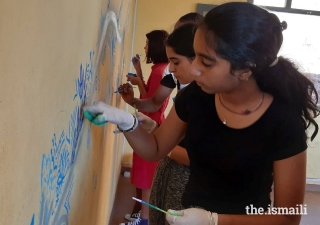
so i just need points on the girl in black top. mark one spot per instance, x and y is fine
(244, 120)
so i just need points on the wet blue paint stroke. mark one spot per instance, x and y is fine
(104, 54)
(56, 179)
(120, 13)
(67, 202)
(32, 220)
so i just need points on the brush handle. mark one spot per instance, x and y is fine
(152, 206)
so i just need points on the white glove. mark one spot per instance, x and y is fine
(146, 122)
(101, 113)
(192, 216)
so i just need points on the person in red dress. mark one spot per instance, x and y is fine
(142, 170)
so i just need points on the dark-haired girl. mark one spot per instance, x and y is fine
(142, 170)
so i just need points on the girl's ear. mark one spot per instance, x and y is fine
(243, 74)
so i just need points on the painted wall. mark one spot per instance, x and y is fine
(56, 56)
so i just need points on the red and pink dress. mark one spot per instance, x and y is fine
(142, 170)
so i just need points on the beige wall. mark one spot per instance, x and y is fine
(56, 168)
(153, 15)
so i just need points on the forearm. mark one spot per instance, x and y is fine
(144, 144)
(139, 73)
(154, 102)
(146, 105)
(142, 88)
(257, 219)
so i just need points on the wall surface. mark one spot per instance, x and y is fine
(56, 56)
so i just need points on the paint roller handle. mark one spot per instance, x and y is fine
(101, 113)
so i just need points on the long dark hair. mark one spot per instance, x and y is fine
(192, 17)
(181, 40)
(156, 47)
(250, 37)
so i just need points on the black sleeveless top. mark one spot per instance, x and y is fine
(233, 168)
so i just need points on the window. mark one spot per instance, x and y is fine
(274, 3)
(306, 4)
(311, 7)
(301, 41)
(202, 9)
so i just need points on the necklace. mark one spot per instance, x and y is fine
(224, 118)
(247, 111)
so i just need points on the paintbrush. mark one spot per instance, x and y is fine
(152, 206)
(121, 90)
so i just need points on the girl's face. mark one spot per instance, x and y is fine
(179, 65)
(146, 46)
(211, 72)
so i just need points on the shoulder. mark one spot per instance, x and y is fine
(284, 113)
(289, 133)
(189, 99)
(192, 90)
(159, 68)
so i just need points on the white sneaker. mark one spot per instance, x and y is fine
(133, 216)
(138, 221)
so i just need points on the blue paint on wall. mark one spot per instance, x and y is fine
(104, 54)
(56, 176)
(56, 179)
(32, 220)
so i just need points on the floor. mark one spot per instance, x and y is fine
(124, 203)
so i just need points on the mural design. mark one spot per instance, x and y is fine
(57, 177)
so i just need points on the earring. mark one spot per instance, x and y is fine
(242, 78)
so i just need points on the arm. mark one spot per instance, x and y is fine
(150, 146)
(140, 83)
(289, 187)
(178, 154)
(137, 65)
(157, 145)
(153, 103)
(149, 104)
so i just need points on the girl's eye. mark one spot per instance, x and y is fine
(206, 65)
(176, 63)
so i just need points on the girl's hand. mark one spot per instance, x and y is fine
(192, 216)
(127, 95)
(134, 80)
(146, 122)
(136, 63)
(101, 113)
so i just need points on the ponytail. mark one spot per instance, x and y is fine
(286, 83)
